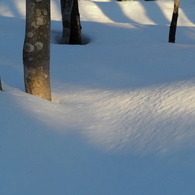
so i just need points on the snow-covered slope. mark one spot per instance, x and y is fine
(122, 120)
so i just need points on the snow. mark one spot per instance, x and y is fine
(122, 119)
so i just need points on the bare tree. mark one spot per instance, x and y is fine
(36, 50)
(173, 25)
(71, 22)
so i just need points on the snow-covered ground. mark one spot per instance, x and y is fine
(122, 120)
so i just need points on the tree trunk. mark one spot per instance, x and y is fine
(173, 25)
(75, 32)
(71, 22)
(36, 50)
(1, 89)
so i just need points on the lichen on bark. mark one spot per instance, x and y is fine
(36, 51)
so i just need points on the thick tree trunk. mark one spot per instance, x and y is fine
(173, 25)
(36, 50)
(75, 32)
(71, 22)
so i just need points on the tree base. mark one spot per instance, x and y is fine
(1, 89)
(173, 27)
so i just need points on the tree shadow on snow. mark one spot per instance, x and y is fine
(125, 57)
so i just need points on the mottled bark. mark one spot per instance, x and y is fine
(36, 50)
(70, 22)
(173, 25)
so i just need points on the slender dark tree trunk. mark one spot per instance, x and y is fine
(173, 25)
(1, 89)
(71, 22)
(36, 50)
